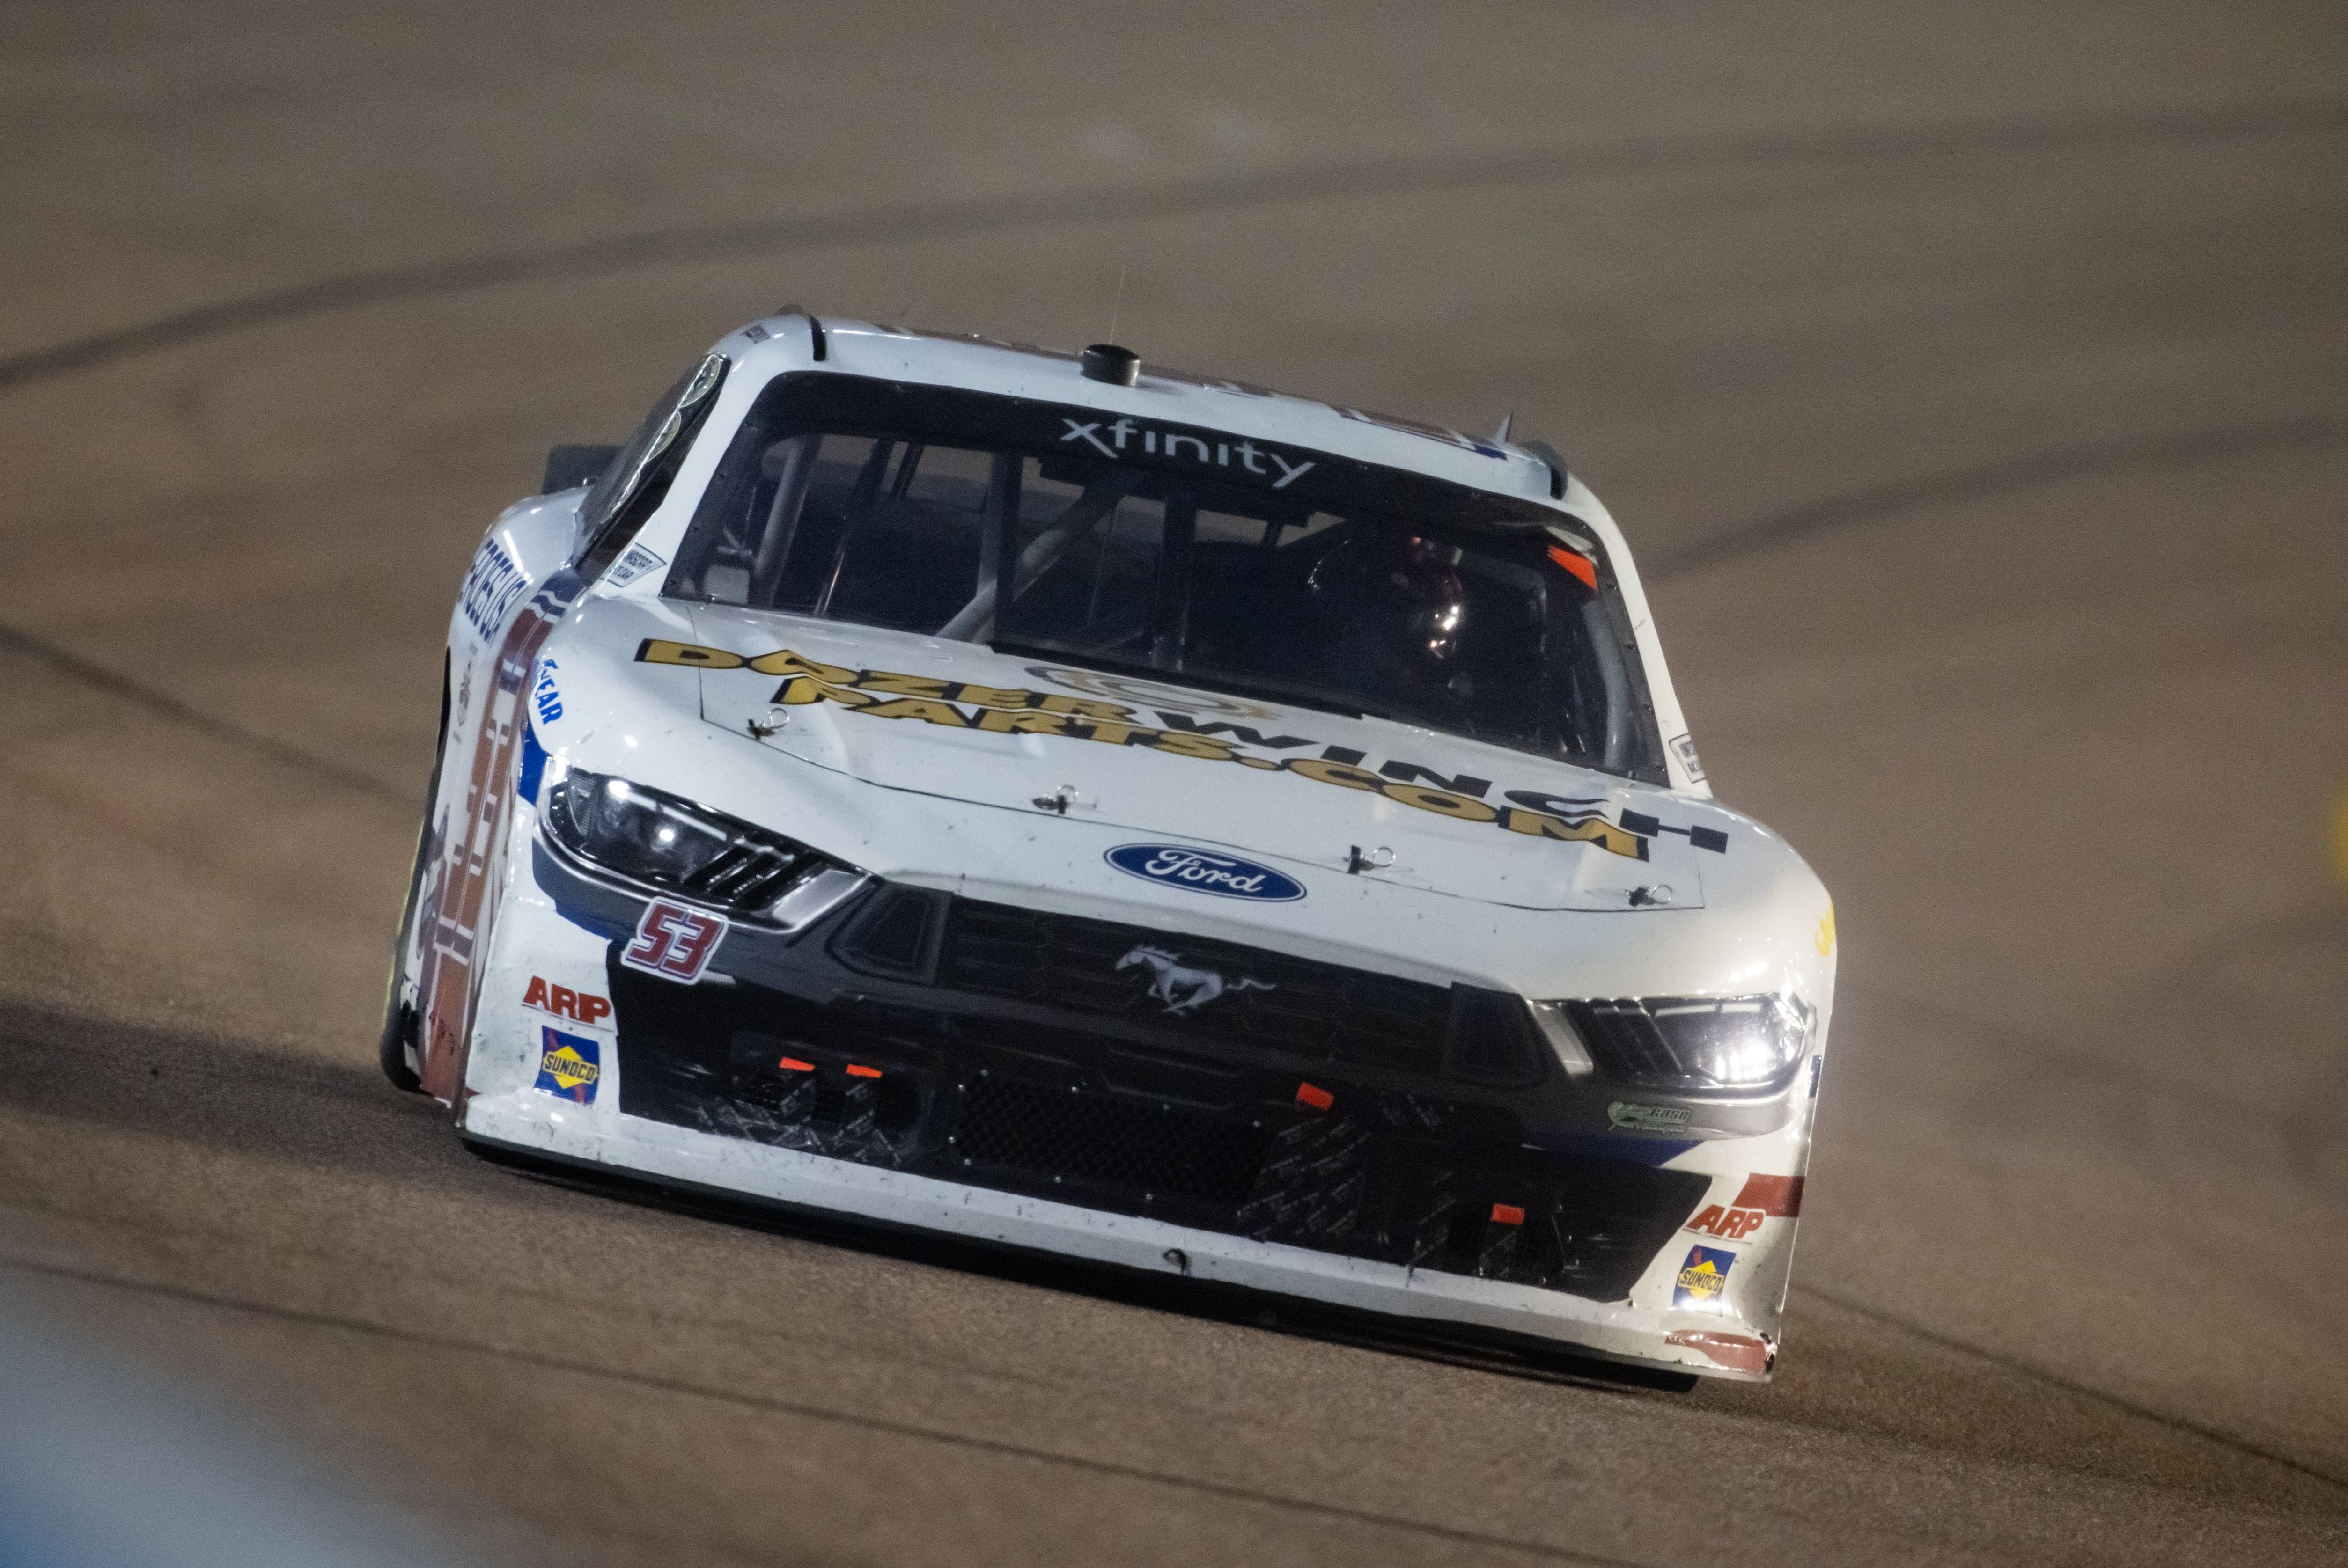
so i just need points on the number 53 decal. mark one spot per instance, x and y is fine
(674, 942)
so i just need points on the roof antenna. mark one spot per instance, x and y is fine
(1106, 361)
(1502, 432)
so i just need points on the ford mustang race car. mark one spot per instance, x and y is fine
(1121, 813)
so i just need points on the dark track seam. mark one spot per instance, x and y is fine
(1882, 503)
(2023, 1369)
(91, 673)
(818, 1413)
(912, 221)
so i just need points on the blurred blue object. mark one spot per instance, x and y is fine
(108, 1464)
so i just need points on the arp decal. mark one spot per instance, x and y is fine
(570, 1065)
(490, 588)
(1630, 1116)
(579, 1007)
(1197, 871)
(1013, 711)
(1729, 1224)
(1703, 1279)
(674, 942)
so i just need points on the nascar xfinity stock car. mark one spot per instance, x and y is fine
(1126, 814)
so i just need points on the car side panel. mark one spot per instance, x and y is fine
(518, 589)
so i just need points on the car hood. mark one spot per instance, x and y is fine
(1294, 786)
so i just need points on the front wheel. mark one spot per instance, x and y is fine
(396, 1049)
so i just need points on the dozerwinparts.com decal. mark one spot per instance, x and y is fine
(1016, 711)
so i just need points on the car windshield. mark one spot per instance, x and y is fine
(1192, 553)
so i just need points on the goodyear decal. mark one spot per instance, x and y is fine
(1016, 711)
(570, 1065)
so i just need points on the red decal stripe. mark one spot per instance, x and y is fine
(1734, 1351)
(1780, 1197)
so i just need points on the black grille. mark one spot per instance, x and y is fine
(1139, 1149)
(1314, 1009)
(1423, 1179)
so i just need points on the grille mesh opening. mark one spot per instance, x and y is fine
(1087, 1138)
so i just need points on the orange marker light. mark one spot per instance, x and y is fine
(1319, 1099)
(1580, 565)
(793, 1064)
(856, 1071)
(1507, 1214)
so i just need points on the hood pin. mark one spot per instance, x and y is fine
(777, 719)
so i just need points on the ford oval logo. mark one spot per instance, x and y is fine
(1225, 875)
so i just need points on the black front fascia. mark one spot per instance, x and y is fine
(982, 1044)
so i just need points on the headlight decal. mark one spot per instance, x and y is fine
(1693, 1044)
(658, 839)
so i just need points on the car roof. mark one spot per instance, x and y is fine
(796, 341)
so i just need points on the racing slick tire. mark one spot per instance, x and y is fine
(398, 1018)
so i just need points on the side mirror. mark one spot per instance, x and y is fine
(568, 467)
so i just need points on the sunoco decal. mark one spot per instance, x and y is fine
(1703, 1278)
(1015, 710)
(570, 1065)
(1197, 871)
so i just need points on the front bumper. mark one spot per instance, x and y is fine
(804, 1073)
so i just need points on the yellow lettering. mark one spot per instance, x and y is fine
(1085, 706)
(1441, 802)
(804, 689)
(1597, 830)
(929, 713)
(897, 685)
(1206, 748)
(655, 650)
(1022, 722)
(996, 696)
(1323, 772)
(783, 661)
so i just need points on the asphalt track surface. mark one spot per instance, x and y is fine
(1970, 380)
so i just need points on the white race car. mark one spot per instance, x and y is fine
(1121, 813)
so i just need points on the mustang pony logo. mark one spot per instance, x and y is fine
(1181, 988)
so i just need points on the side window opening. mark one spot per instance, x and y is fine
(632, 489)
